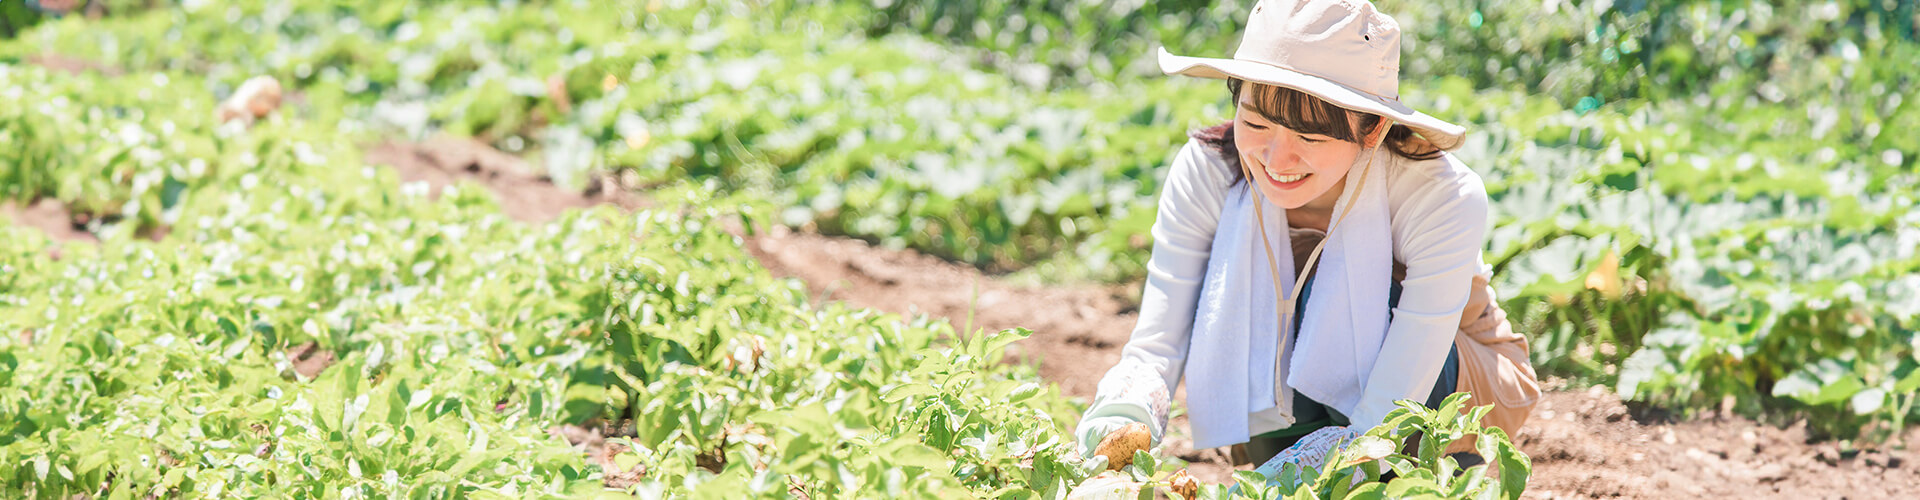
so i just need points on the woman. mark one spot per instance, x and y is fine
(1377, 279)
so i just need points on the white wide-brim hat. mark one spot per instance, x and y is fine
(1342, 51)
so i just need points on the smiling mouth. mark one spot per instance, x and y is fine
(1285, 179)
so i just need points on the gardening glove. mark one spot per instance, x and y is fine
(1092, 430)
(1310, 451)
(1131, 392)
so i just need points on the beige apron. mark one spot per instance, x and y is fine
(1494, 367)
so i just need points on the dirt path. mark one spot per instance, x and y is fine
(1078, 330)
(1584, 442)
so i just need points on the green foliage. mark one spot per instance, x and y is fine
(172, 367)
(1693, 200)
(1410, 445)
(862, 137)
(1069, 41)
(147, 368)
(17, 16)
(143, 368)
(109, 147)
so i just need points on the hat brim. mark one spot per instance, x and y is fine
(1331, 91)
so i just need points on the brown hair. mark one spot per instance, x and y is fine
(1306, 114)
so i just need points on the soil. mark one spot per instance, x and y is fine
(309, 360)
(71, 65)
(1587, 444)
(50, 217)
(1584, 443)
(521, 193)
(1078, 331)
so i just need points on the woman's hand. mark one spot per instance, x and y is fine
(1310, 451)
(1132, 394)
(1094, 431)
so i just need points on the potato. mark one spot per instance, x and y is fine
(1120, 444)
(255, 98)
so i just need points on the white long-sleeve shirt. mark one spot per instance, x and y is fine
(1438, 216)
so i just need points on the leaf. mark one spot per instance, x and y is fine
(397, 405)
(536, 403)
(1820, 384)
(1368, 491)
(1450, 407)
(998, 343)
(1109, 486)
(1249, 482)
(1400, 465)
(351, 413)
(910, 454)
(237, 348)
(1842, 389)
(467, 463)
(625, 462)
(1145, 462)
(1908, 384)
(480, 440)
(1798, 385)
(1025, 392)
(903, 391)
(1868, 401)
(1291, 475)
(420, 398)
(1515, 467)
(262, 407)
(1365, 449)
(1093, 466)
(1418, 485)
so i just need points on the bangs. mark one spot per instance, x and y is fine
(1296, 110)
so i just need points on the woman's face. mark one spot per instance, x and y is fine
(1293, 168)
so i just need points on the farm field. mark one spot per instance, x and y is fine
(772, 248)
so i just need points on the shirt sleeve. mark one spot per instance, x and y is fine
(1139, 387)
(1440, 238)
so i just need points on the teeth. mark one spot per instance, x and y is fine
(1285, 178)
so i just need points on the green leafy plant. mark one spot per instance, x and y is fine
(1401, 458)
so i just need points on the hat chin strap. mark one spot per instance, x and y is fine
(1301, 280)
(1260, 216)
(1283, 397)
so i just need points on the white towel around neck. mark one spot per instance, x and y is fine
(1236, 335)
